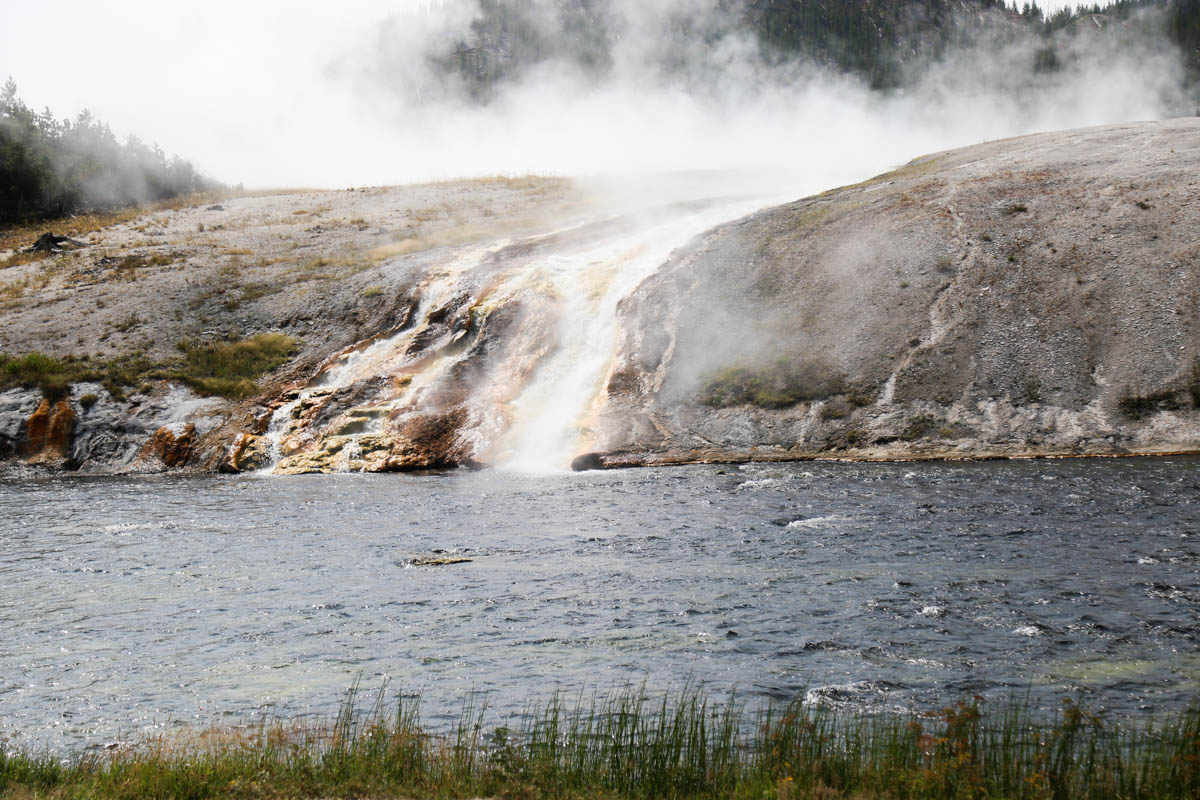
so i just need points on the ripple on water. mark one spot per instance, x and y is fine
(137, 601)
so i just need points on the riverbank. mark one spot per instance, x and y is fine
(637, 744)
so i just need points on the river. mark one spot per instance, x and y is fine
(130, 606)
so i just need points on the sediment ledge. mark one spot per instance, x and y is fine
(601, 461)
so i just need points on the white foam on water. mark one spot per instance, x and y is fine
(816, 522)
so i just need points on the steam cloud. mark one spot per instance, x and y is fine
(721, 107)
(283, 94)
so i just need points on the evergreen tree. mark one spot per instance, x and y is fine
(51, 168)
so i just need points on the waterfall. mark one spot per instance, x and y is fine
(506, 354)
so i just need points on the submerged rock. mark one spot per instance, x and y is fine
(438, 561)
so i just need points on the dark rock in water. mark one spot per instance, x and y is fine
(587, 461)
(51, 243)
(216, 207)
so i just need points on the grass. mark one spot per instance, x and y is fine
(230, 368)
(54, 375)
(227, 368)
(779, 386)
(40, 371)
(631, 744)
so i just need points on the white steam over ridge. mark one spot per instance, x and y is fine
(274, 94)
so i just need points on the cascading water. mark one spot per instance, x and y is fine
(552, 413)
(504, 356)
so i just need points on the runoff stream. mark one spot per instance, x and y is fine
(135, 606)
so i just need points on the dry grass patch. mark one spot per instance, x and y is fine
(20, 236)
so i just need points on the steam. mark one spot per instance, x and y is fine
(290, 96)
(720, 106)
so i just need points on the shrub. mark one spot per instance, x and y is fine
(52, 168)
(833, 412)
(918, 427)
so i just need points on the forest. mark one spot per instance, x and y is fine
(884, 42)
(53, 168)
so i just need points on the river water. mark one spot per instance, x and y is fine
(133, 605)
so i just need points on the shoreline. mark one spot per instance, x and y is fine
(636, 743)
(607, 461)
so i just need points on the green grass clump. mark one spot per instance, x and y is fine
(230, 368)
(631, 744)
(38, 370)
(779, 386)
(225, 368)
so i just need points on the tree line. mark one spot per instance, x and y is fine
(52, 168)
(884, 42)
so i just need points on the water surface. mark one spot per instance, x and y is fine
(130, 605)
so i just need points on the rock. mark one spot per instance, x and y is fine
(50, 243)
(48, 433)
(170, 448)
(111, 435)
(16, 406)
(587, 461)
(246, 454)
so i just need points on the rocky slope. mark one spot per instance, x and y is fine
(1022, 297)
(1036, 296)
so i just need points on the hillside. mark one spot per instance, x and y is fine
(1035, 296)
(1031, 296)
(887, 44)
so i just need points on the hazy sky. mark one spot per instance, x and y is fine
(258, 92)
